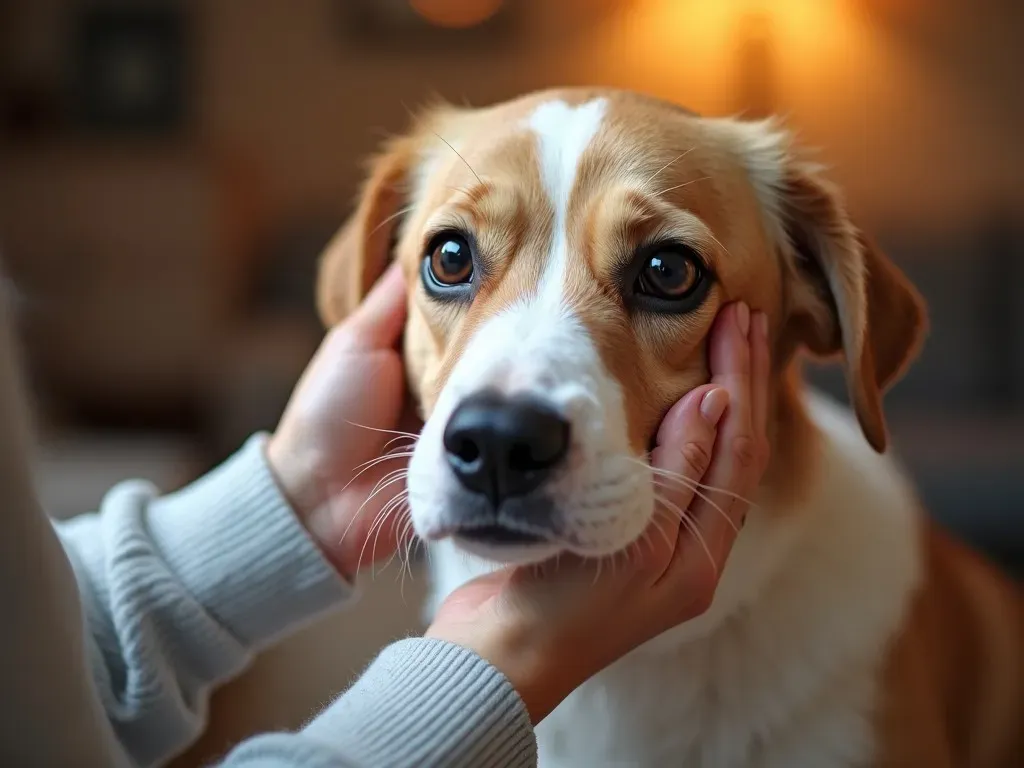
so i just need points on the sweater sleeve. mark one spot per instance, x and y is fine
(422, 702)
(180, 591)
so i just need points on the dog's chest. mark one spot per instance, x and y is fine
(698, 708)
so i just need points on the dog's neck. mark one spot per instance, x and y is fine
(795, 443)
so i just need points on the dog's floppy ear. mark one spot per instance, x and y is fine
(844, 295)
(359, 253)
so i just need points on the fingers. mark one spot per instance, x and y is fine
(378, 322)
(735, 455)
(760, 376)
(685, 445)
(740, 365)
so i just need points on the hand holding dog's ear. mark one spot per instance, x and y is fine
(326, 451)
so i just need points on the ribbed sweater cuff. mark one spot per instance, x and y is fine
(235, 543)
(427, 702)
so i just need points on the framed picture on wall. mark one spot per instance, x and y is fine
(128, 68)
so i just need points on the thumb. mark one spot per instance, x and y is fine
(475, 593)
(378, 321)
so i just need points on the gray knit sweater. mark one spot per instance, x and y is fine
(111, 662)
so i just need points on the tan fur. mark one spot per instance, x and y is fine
(955, 676)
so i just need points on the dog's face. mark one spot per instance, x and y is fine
(567, 253)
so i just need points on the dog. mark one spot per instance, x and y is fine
(566, 254)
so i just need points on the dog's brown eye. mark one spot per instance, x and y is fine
(670, 275)
(451, 260)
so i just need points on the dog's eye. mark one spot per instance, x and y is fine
(670, 274)
(450, 260)
(667, 277)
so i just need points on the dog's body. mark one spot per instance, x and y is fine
(812, 654)
(846, 631)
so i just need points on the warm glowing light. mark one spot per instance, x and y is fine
(697, 50)
(459, 14)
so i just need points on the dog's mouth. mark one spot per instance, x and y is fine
(503, 544)
(499, 535)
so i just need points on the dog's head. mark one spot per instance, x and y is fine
(566, 254)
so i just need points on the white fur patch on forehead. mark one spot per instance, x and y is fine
(563, 133)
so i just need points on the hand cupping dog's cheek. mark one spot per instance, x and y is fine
(327, 450)
(550, 629)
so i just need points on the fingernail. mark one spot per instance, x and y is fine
(743, 318)
(761, 320)
(713, 405)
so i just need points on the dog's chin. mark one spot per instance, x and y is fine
(508, 554)
(502, 544)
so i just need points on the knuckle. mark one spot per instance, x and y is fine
(697, 456)
(744, 452)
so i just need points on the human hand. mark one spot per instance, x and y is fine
(551, 628)
(326, 451)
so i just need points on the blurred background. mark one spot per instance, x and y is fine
(170, 171)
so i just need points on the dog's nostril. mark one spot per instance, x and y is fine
(521, 458)
(467, 451)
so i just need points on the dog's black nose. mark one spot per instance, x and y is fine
(503, 447)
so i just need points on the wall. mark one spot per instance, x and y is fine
(918, 114)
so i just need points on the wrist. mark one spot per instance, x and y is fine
(538, 676)
(296, 474)
(301, 484)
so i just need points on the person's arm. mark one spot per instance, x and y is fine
(51, 714)
(180, 591)
(422, 702)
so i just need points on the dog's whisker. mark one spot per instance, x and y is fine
(719, 243)
(694, 528)
(358, 512)
(401, 437)
(370, 465)
(664, 534)
(453, 149)
(686, 184)
(404, 542)
(392, 217)
(400, 454)
(384, 431)
(377, 521)
(409, 536)
(381, 517)
(690, 481)
(393, 504)
(671, 162)
(388, 479)
(705, 497)
(399, 538)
